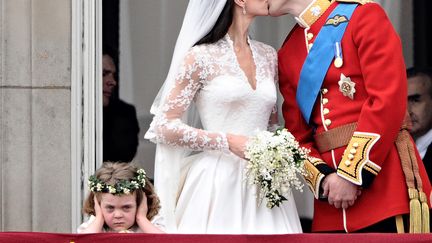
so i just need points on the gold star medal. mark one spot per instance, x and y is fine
(346, 86)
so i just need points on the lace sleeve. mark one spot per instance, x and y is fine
(167, 124)
(274, 117)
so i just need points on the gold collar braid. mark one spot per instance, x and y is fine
(313, 12)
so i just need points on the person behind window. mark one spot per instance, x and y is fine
(420, 111)
(120, 123)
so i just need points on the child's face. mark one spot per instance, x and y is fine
(119, 211)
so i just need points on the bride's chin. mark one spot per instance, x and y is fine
(265, 13)
(274, 14)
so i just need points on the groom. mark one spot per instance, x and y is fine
(342, 76)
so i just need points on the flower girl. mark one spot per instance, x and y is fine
(122, 200)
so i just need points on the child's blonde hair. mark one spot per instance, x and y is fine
(112, 172)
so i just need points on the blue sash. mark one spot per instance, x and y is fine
(320, 57)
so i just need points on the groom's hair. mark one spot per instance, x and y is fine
(222, 25)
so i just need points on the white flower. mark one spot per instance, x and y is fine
(98, 187)
(126, 191)
(135, 184)
(275, 159)
(111, 189)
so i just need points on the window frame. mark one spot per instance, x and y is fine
(86, 100)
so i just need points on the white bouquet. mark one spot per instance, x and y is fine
(275, 161)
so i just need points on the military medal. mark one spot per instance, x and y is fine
(346, 86)
(338, 61)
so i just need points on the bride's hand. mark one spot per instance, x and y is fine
(237, 144)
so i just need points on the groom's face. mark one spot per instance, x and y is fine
(278, 7)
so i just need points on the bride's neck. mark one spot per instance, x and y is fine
(238, 31)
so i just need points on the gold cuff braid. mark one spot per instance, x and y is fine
(356, 157)
(313, 175)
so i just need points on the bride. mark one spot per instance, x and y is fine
(225, 81)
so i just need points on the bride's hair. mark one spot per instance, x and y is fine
(222, 25)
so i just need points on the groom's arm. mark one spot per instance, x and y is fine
(316, 168)
(384, 80)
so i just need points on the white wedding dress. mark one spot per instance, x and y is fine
(213, 195)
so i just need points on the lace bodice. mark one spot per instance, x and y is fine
(211, 77)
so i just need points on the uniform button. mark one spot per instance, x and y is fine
(310, 36)
(326, 111)
(324, 91)
(347, 163)
(325, 101)
(355, 145)
(353, 151)
(328, 122)
(350, 156)
(310, 46)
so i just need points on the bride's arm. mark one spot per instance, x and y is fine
(167, 124)
(274, 116)
(274, 120)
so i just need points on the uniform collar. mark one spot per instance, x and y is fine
(313, 12)
(423, 143)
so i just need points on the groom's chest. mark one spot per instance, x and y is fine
(296, 49)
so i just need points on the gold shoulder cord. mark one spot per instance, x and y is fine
(419, 208)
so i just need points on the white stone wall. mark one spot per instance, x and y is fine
(35, 106)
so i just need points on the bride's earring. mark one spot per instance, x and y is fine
(244, 9)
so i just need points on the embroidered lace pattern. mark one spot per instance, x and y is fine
(204, 65)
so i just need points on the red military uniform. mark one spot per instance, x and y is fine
(374, 96)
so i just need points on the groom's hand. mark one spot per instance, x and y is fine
(340, 192)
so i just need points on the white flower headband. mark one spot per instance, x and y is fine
(121, 187)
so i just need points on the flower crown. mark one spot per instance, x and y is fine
(121, 187)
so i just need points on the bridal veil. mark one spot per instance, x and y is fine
(199, 19)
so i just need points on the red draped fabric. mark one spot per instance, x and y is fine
(21, 237)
